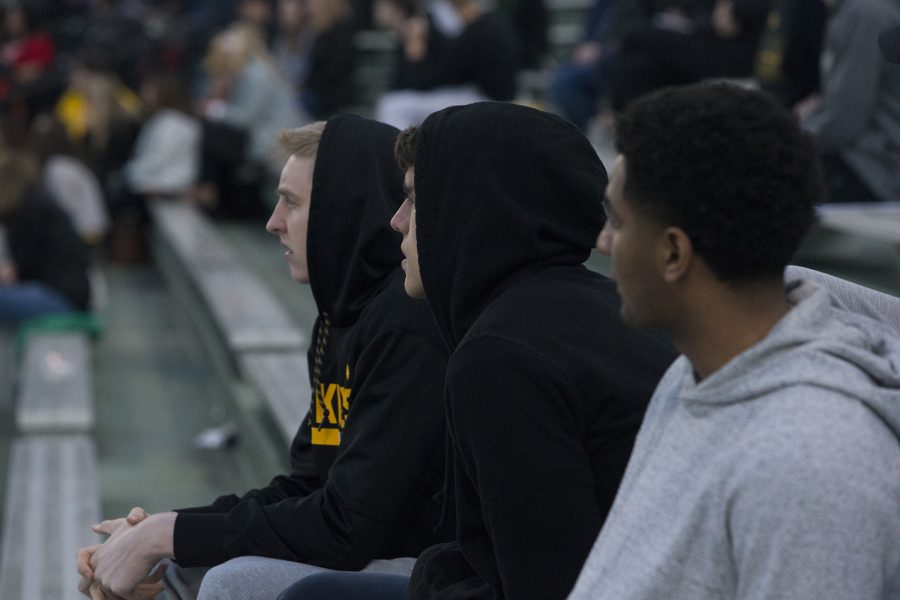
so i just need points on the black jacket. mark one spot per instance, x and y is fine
(45, 247)
(369, 458)
(484, 54)
(546, 387)
(332, 61)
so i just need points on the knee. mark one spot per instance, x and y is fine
(223, 582)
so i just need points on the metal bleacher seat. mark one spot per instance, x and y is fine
(246, 313)
(55, 389)
(263, 346)
(52, 497)
(874, 220)
(283, 379)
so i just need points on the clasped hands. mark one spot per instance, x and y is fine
(127, 565)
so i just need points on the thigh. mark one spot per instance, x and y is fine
(349, 586)
(252, 578)
(181, 583)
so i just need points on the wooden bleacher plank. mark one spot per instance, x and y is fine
(52, 498)
(56, 386)
(283, 380)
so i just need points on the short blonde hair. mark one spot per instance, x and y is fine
(302, 142)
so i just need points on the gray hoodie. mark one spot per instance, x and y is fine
(778, 476)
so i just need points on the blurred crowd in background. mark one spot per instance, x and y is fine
(110, 103)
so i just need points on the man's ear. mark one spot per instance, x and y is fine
(676, 254)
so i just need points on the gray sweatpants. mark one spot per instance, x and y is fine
(256, 578)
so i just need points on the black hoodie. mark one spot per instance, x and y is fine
(546, 387)
(44, 247)
(368, 461)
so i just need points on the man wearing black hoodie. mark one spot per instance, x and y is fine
(369, 458)
(546, 387)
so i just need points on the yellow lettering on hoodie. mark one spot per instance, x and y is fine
(332, 404)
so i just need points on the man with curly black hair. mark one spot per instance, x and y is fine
(766, 465)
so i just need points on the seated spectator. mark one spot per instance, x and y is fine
(166, 156)
(721, 41)
(856, 119)
(369, 458)
(478, 64)
(114, 39)
(545, 385)
(329, 86)
(766, 464)
(27, 58)
(396, 16)
(791, 48)
(73, 106)
(528, 21)
(578, 85)
(247, 102)
(68, 180)
(293, 42)
(47, 268)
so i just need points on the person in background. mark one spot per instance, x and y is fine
(479, 63)
(528, 20)
(166, 156)
(719, 40)
(247, 101)
(578, 85)
(329, 86)
(68, 180)
(293, 42)
(856, 118)
(46, 271)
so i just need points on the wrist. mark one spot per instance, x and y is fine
(160, 530)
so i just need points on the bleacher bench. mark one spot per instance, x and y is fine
(875, 220)
(52, 497)
(283, 380)
(248, 315)
(55, 387)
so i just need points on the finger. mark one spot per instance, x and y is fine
(107, 527)
(97, 593)
(148, 590)
(136, 515)
(157, 573)
(83, 562)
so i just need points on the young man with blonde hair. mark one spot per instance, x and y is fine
(368, 459)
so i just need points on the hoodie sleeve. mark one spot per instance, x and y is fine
(390, 447)
(812, 516)
(500, 393)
